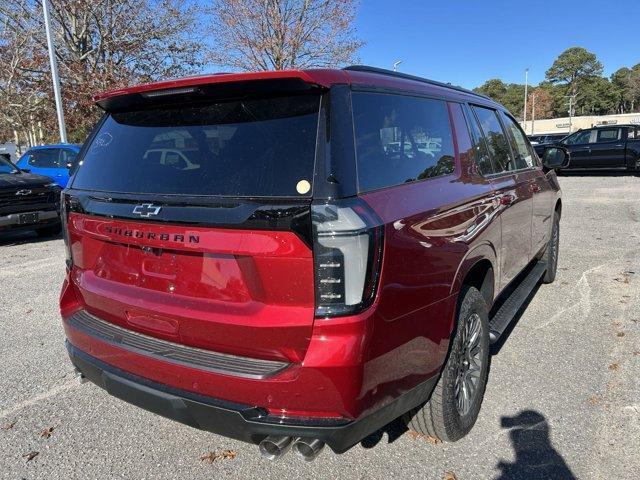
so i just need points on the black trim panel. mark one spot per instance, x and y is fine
(250, 214)
(243, 422)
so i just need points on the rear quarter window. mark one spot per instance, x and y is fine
(400, 139)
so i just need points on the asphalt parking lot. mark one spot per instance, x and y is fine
(563, 399)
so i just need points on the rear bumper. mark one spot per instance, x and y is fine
(242, 422)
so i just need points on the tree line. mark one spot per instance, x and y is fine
(110, 44)
(575, 78)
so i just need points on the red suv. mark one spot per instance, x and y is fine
(296, 258)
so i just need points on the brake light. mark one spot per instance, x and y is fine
(347, 257)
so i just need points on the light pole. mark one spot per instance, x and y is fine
(526, 90)
(54, 72)
(395, 65)
(533, 111)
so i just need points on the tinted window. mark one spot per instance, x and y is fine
(67, 156)
(400, 139)
(6, 166)
(496, 139)
(607, 135)
(631, 133)
(578, 138)
(44, 158)
(481, 154)
(257, 147)
(524, 158)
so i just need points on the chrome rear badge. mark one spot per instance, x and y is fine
(23, 192)
(146, 209)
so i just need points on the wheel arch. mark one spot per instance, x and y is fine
(558, 207)
(478, 269)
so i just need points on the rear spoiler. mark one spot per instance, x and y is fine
(221, 85)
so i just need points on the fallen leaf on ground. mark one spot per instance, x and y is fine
(30, 456)
(46, 433)
(432, 440)
(450, 476)
(593, 400)
(9, 425)
(229, 454)
(620, 334)
(29, 311)
(224, 455)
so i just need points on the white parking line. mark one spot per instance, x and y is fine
(29, 266)
(38, 398)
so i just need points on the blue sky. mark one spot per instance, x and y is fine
(466, 42)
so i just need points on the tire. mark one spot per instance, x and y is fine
(551, 251)
(52, 231)
(446, 416)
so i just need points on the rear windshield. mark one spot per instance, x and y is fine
(243, 148)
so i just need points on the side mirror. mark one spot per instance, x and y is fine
(69, 165)
(555, 157)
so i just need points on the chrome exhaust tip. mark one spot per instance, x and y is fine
(308, 448)
(79, 376)
(274, 447)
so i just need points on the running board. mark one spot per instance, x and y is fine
(509, 309)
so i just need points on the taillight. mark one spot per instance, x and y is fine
(64, 214)
(347, 254)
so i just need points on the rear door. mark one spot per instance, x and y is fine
(542, 195)
(608, 149)
(511, 181)
(214, 253)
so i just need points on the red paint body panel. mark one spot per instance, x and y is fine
(231, 286)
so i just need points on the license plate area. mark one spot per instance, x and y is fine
(27, 218)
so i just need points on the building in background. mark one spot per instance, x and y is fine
(563, 125)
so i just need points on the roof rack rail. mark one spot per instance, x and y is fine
(383, 71)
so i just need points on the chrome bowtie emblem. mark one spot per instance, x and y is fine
(23, 192)
(146, 210)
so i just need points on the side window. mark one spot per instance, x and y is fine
(496, 139)
(578, 138)
(524, 157)
(67, 157)
(607, 135)
(400, 139)
(631, 133)
(44, 158)
(482, 157)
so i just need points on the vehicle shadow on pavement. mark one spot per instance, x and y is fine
(535, 456)
(394, 431)
(21, 238)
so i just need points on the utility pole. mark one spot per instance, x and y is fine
(395, 65)
(526, 91)
(54, 72)
(533, 111)
(572, 99)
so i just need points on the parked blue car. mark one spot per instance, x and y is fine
(50, 160)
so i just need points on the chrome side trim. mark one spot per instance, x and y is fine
(172, 352)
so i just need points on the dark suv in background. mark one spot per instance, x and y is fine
(28, 201)
(336, 249)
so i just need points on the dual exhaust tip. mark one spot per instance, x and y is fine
(273, 447)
